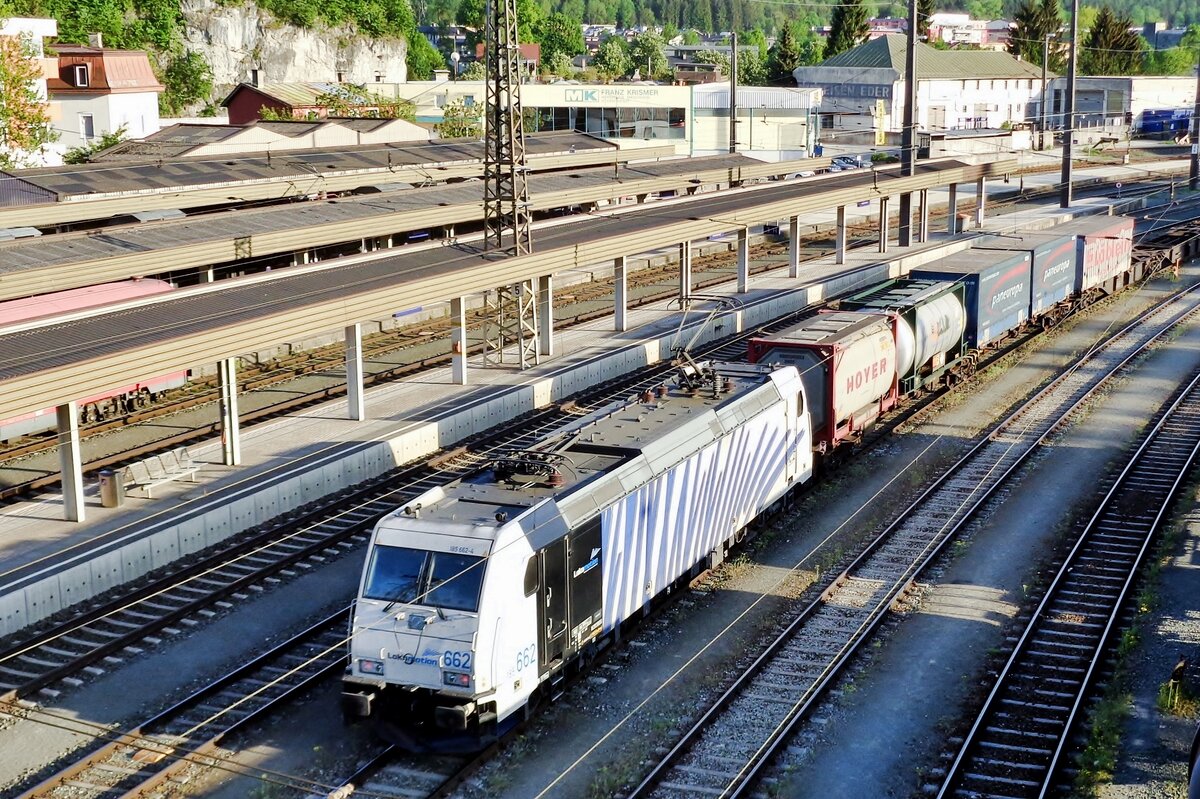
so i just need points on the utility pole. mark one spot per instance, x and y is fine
(733, 59)
(1069, 108)
(908, 149)
(1041, 145)
(1194, 171)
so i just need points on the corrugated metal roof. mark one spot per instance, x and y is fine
(299, 93)
(887, 52)
(75, 180)
(68, 248)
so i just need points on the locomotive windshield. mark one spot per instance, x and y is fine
(415, 576)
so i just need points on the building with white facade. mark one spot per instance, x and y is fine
(956, 89)
(773, 123)
(101, 91)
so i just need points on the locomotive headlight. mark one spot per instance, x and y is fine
(370, 666)
(456, 678)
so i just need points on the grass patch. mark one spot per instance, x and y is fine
(1099, 758)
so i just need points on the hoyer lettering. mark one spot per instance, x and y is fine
(857, 379)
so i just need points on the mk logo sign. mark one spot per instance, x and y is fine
(580, 96)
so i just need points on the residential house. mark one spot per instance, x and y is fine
(33, 32)
(100, 90)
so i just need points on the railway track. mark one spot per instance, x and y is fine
(142, 760)
(730, 746)
(1019, 743)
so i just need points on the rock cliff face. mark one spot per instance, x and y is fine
(234, 39)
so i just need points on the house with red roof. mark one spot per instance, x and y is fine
(100, 90)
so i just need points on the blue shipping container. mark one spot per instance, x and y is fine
(1053, 264)
(999, 290)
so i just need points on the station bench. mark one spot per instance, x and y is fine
(157, 470)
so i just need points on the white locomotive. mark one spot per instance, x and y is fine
(479, 595)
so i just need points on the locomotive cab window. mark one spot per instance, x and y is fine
(436, 579)
(799, 403)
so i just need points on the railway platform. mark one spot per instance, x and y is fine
(47, 563)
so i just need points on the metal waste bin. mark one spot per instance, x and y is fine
(112, 488)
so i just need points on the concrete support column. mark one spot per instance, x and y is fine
(231, 435)
(794, 247)
(923, 218)
(545, 300)
(458, 341)
(685, 269)
(904, 229)
(356, 408)
(208, 275)
(743, 260)
(839, 247)
(70, 462)
(883, 224)
(621, 296)
(952, 207)
(980, 200)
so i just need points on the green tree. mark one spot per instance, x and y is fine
(460, 121)
(24, 115)
(81, 154)
(558, 64)
(186, 80)
(783, 57)
(1179, 60)
(691, 38)
(612, 58)
(476, 70)
(752, 70)
(925, 10)
(646, 53)
(1110, 48)
(756, 38)
(422, 57)
(848, 27)
(1032, 22)
(559, 33)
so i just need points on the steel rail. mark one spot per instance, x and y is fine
(739, 773)
(147, 755)
(1006, 752)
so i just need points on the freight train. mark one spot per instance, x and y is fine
(60, 302)
(478, 597)
(894, 340)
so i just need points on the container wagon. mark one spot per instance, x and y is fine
(998, 290)
(848, 364)
(930, 326)
(1104, 252)
(1053, 267)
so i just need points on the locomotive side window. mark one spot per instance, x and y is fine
(531, 576)
(799, 404)
(436, 579)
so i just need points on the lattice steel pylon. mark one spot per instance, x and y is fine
(506, 188)
(512, 311)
